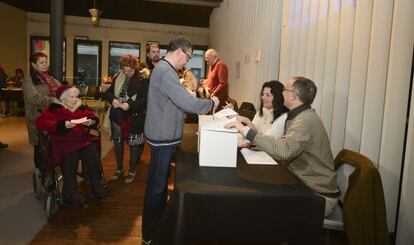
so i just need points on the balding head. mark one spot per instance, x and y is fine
(210, 56)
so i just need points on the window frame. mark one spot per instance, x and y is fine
(75, 63)
(121, 42)
(46, 38)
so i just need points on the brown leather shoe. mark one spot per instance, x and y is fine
(2, 145)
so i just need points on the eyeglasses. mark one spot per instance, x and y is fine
(188, 56)
(293, 91)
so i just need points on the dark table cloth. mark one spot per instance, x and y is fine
(255, 203)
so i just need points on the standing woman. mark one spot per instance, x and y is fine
(39, 91)
(128, 97)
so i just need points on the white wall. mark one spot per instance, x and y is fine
(246, 34)
(359, 55)
(111, 30)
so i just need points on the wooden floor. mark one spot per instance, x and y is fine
(115, 219)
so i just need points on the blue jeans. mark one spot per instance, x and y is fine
(156, 193)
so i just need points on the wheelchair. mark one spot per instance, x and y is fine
(48, 183)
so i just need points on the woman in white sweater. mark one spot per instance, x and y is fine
(271, 117)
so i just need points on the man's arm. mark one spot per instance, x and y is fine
(184, 100)
(290, 145)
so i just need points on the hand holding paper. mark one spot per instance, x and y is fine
(233, 123)
(80, 120)
(216, 101)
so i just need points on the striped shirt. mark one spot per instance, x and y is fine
(305, 149)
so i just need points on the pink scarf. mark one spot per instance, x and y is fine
(50, 83)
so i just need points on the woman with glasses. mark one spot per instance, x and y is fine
(271, 117)
(128, 98)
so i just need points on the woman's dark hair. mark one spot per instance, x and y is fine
(276, 88)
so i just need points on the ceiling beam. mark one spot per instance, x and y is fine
(204, 3)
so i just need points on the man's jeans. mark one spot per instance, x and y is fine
(156, 193)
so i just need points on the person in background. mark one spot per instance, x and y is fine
(72, 142)
(271, 117)
(39, 90)
(2, 81)
(106, 83)
(153, 55)
(164, 126)
(3, 78)
(17, 80)
(188, 80)
(305, 146)
(216, 83)
(128, 97)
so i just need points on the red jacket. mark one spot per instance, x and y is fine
(217, 80)
(64, 141)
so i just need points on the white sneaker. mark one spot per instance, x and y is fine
(117, 174)
(130, 178)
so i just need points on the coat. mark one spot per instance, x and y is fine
(36, 98)
(64, 141)
(137, 92)
(364, 214)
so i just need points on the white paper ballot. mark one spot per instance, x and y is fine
(225, 113)
(80, 120)
(257, 157)
(218, 125)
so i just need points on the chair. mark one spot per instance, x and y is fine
(92, 98)
(247, 109)
(361, 210)
(335, 221)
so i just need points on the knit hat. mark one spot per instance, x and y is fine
(61, 89)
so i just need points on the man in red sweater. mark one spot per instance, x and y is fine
(216, 83)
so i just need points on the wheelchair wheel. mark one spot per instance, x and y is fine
(50, 204)
(37, 183)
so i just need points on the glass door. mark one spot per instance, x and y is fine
(87, 62)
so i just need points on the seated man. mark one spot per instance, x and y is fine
(17, 80)
(71, 142)
(304, 147)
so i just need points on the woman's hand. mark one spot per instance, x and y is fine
(235, 124)
(124, 106)
(244, 120)
(243, 145)
(68, 124)
(89, 122)
(116, 103)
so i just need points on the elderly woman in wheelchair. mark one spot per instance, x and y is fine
(67, 122)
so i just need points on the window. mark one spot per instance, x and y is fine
(197, 64)
(116, 50)
(87, 62)
(42, 44)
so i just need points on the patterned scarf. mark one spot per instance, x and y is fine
(50, 83)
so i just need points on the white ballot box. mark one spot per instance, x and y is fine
(217, 146)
